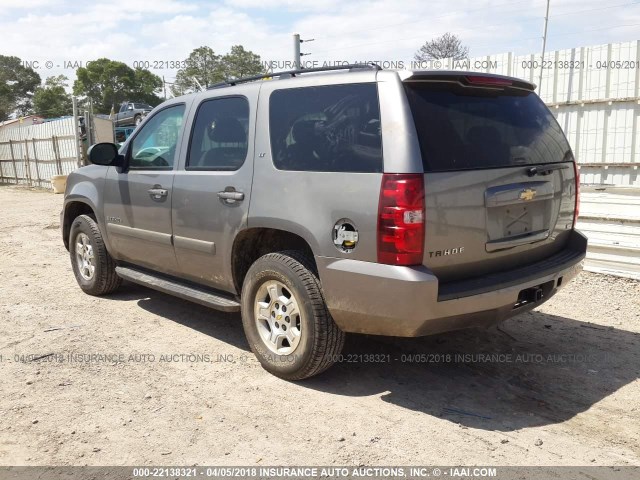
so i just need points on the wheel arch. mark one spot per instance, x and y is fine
(73, 208)
(253, 243)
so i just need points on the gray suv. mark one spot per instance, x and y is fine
(317, 203)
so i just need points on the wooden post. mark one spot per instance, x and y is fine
(35, 157)
(2, 171)
(56, 153)
(13, 160)
(27, 163)
(76, 132)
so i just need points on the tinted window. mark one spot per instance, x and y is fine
(220, 137)
(326, 129)
(463, 128)
(154, 146)
(141, 106)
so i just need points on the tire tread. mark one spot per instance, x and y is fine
(329, 338)
(108, 280)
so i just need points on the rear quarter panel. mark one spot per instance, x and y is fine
(310, 203)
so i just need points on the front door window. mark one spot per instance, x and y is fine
(154, 147)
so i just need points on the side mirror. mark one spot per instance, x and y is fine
(104, 154)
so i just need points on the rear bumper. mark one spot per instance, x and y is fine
(381, 299)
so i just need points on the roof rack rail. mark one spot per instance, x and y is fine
(293, 73)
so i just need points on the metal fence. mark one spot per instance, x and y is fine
(31, 155)
(610, 218)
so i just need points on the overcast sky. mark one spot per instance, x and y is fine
(344, 30)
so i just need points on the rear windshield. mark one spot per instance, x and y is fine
(463, 128)
(333, 128)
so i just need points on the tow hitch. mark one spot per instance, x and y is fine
(533, 294)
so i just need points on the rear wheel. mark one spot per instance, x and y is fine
(92, 265)
(137, 120)
(285, 318)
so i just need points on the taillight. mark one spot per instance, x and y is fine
(401, 219)
(576, 212)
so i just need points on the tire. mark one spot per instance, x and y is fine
(93, 267)
(137, 120)
(317, 341)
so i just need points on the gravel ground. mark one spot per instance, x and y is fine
(171, 382)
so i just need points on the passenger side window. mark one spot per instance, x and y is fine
(333, 128)
(220, 138)
(154, 147)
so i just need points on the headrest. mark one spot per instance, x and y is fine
(226, 130)
(304, 131)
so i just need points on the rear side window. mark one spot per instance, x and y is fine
(220, 138)
(334, 128)
(469, 128)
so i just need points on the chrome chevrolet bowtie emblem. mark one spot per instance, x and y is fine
(527, 194)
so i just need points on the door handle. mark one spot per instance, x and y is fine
(231, 196)
(158, 193)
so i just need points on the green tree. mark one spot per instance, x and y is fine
(446, 46)
(204, 66)
(145, 86)
(52, 100)
(17, 84)
(105, 82)
(108, 83)
(207, 68)
(241, 63)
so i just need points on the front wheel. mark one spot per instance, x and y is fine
(92, 265)
(285, 318)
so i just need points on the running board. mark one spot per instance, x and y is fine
(219, 301)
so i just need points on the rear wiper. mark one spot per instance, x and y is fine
(546, 169)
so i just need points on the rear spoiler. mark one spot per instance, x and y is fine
(466, 78)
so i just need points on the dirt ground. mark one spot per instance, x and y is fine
(140, 377)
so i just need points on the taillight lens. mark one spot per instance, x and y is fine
(401, 215)
(576, 212)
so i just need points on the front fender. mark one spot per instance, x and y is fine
(85, 188)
